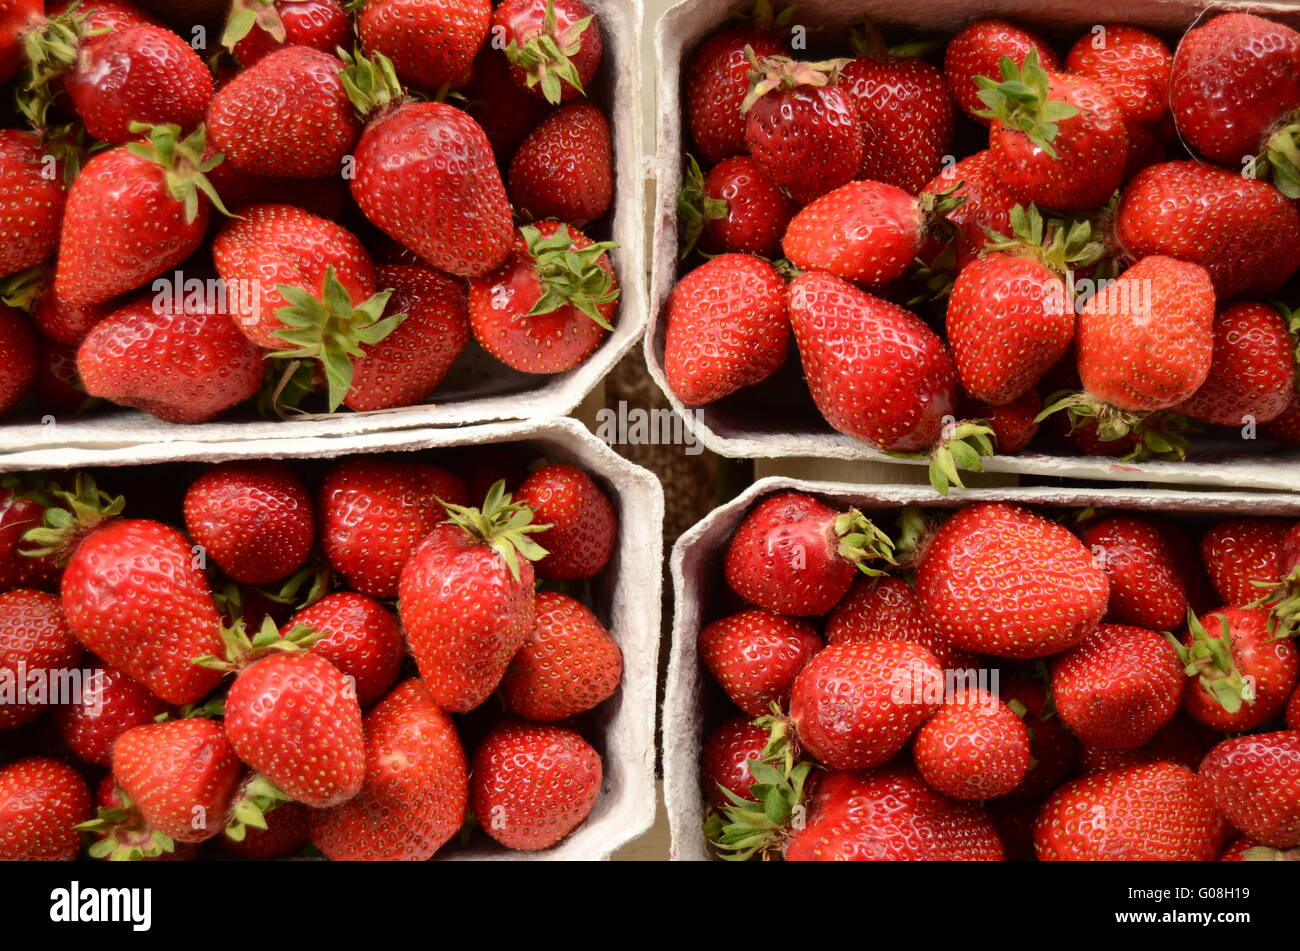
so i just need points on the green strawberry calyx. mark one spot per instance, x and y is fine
(545, 57)
(371, 83)
(694, 208)
(245, 15)
(502, 524)
(242, 650)
(1160, 434)
(1057, 243)
(125, 836)
(915, 530)
(1210, 660)
(1280, 160)
(69, 517)
(332, 329)
(781, 72)
(51, 52)
(861, 542)
(286, 385)
(256, 797)
(963, 444)
(184, 167)
(570, 276)
(1020, 101)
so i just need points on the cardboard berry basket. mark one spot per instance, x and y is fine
(777, 418)
(478, 388)
(693, 703)
(626, 596)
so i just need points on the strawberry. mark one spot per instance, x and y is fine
(795, 555)
(35, 646)
(553, 46)
(717, 82)
(856, 705)
(182, 366)
(181, 775)
(887, 609)
(466, 598)
(41, 802)
(1146, 586)
(17, 17)
(254, 519)
(1252, 369)
(1246, 849)
(68, 323)
(1131, 65)
(756, 655)
(978, 49)
(737, 208)
(568, 665)
(21, 511)
(31, 204)
(974, 747)
(1293, 711)
(257, 28)
(1117, 687)
(483, 465)
(1285, 429)
(1281, 598)
(1000, 579)
(1244, 232)
(725, 759)
(19, 356)
(532, 784)
(727, 328)
(1255, 782)
(110, 703)
(416, 787)
(375, 511)
(582, 528)
(1148, 812)
(1240, 555)
(359, 636)
(986, 207)
(1053, 750)
(565, 168)
(1014, 424)
(123, 834)
(57, 384)
(288, 829)
(133, 213)
(105, 16)
(430, 45)
(505, 112)
(1182, 740)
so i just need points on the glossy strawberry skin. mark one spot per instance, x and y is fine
(974, 747)
(31, 206)
(18, 350)
(106, 15)
(1053, 749)
(360, 636)
(134, 830)
(1014, 424)
(522, 20)
(429, 44)
(320, 24)
(1131, 64)
(987, 204)
(67, 323)
(717, 80)
(866, 232)
(1252, 370)
(1272, 665)
(110, 703)
(887, 609)
(1285, 429)
(1255, 782)
(725, 759)
(807, 138)
(18, 515)
(34, 643)
(757, 211)
(1146, 588)
(976, 50)
(288, 829)
(756, 655)
(583, 525)
(15, 19)
(564, 169)
(1237, 552)
(41, 800)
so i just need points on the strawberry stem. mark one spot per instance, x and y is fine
(1210, 660)
(1020, 101)
(70, 517)
(545, 58)
(371, 83)
(241, 650)
(782, 72)
(694, 208)
(570, 275)
(862, 542)
(183, 164)
(502, 524)
(256, 797)
(247, 14)
(1161, 434)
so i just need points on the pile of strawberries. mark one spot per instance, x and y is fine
(322, 211)
(998, 682)
(248, 683)
(964, 248)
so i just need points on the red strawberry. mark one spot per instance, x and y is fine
(1014, 424)
(1244, 232)
(568, 665)
(1146, 587)
(123, 834)
(727, 328)
(105, 16)
(257, 28)
(1255, 782)
(288, 829)
(737, 208)
(506, 113)
(18, 357)
(1052, 748)
(974, 747)
(1293, 711)
(19, 513)
(1245, 849)
(1131, 64)
(416, 787)
(359, 636)
(253, 518)
(999, 579)
(553, 46)
(887, 609)
(430, 45)
(1238, 552)
(482, 466)
(1149, 812)
(725, 760)
(181, 774)
(41, 802)
(57, 383)
(68, 323)
(565, 168)
(977, 50)
(987, 205)
(1182, 740)
(35, 647)
(1285, 428)
(582, 528)
(717, 82)
(466, 599)
(375, 511)
(31, 205)
(16, 18)
(533, 783)
(756, 655)
(110, 703)
(1252, 369)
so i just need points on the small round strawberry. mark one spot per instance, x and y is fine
(533, 783)
(31, 204)
(1131, 64)
(986, 207)
(568, 665)
(582, 527)
(1252, 370)
(1014, 424)
(756, 655)
(974, 747)
(717, 82)
(1255, 782)
(550, 304)
(725, 758)
(41, 803)
(110, 703)
(359, 636)
(887, 609)
(35, 647)
(553, 46)
(977, 50)
(736, 208)
(1146, 587)
(565, 168)
(1053, 749)
(19, 354)
(257, 28)
(1240, 555)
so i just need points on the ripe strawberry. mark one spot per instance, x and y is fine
(181, 774)
(755, 656)
(978, 49)
(974, 747)
(482, 466)
(105, 16)
(466, 599)
(887, 609)
(1149, 812)
(1182, 740)
(737, 208)
(416, 787)
(31, 204)
(18, 357)
(41, 802)
(20, 512)
(430, 45)
(253, 518)
(986, 207)
(1131, 65)
(582, 528)
(548, 306)
(57, 383)
(123, 834)
(1014, 424)
(1053, 750)
(568, 665)
(408, 364)
(565, 168)
(1252, 369)
(257, 28)
(375, 511)
(795, 555)
(359, 636)
(727, 328)
(1000, 579)
(1239, 552)
(1285, 429)
(725, 760)
(1293, 711)
(1146, 586)
(35, 645)
(717, 82)
(1244, 232)
(182, 366)
(1255, 782)
(17, 17)
(110, 703)
(288, 829)
(533, 783)
(553, 46)
(68, 323)
(505, 112)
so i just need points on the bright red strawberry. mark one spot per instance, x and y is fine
(533, 783)
(977, 50)
(1239, 552)
(717, 82)
(505, 112)
(986, 207)
(755, 656)
(16, 18)
(728, 328)
(181, 774)
(1149, 812)
(416, 788)
(254, 519)
(31, 204)
(725, 759)
(553, 46)
(737, 208)
(123, 834)
(41, 802)
(429, 44)
(582, 527)
(359, 636)
(568, 665)
(1252, 370)
(1053, 749)
(18, 355)
(1244, 232)
(1182, 740)
(257, 28)
(1255, 782)
(1014, 424)
(974, 747)
(1131, 64)
(1146, 586)
(466, 599)
(565, 168)
(1000, 579)
(887, 609)
(375, 511)
(35, 646)
(110, 703)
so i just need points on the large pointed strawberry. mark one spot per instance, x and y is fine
(257, 28)
(553, 46)
(35, 645)
(41, 802)
(1255, 781)
(429, 44)
(31, 204)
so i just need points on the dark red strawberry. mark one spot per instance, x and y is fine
(985, 205)
(288, 829)
(110, 703)
(1053, 749)
(581, 525)
(36, 650)
(1285, 429)
(756, 655)
(57, 384)
(359, 636)
(18, 356)
(1240, 555)
(41, 802)
(505, 112)
(737, 208)
(1131, 64)
(105, 16)
(68, 323)
(887, 609)
(1146, 587)
(565, 168)
(20, 511)
(553, 46)
(31, 204)
(1255, 782)
(725, 759)
(974, 747)
(977, 50)
(257, 28)
(1014, 425)
(1252, 370)
(717, 81)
